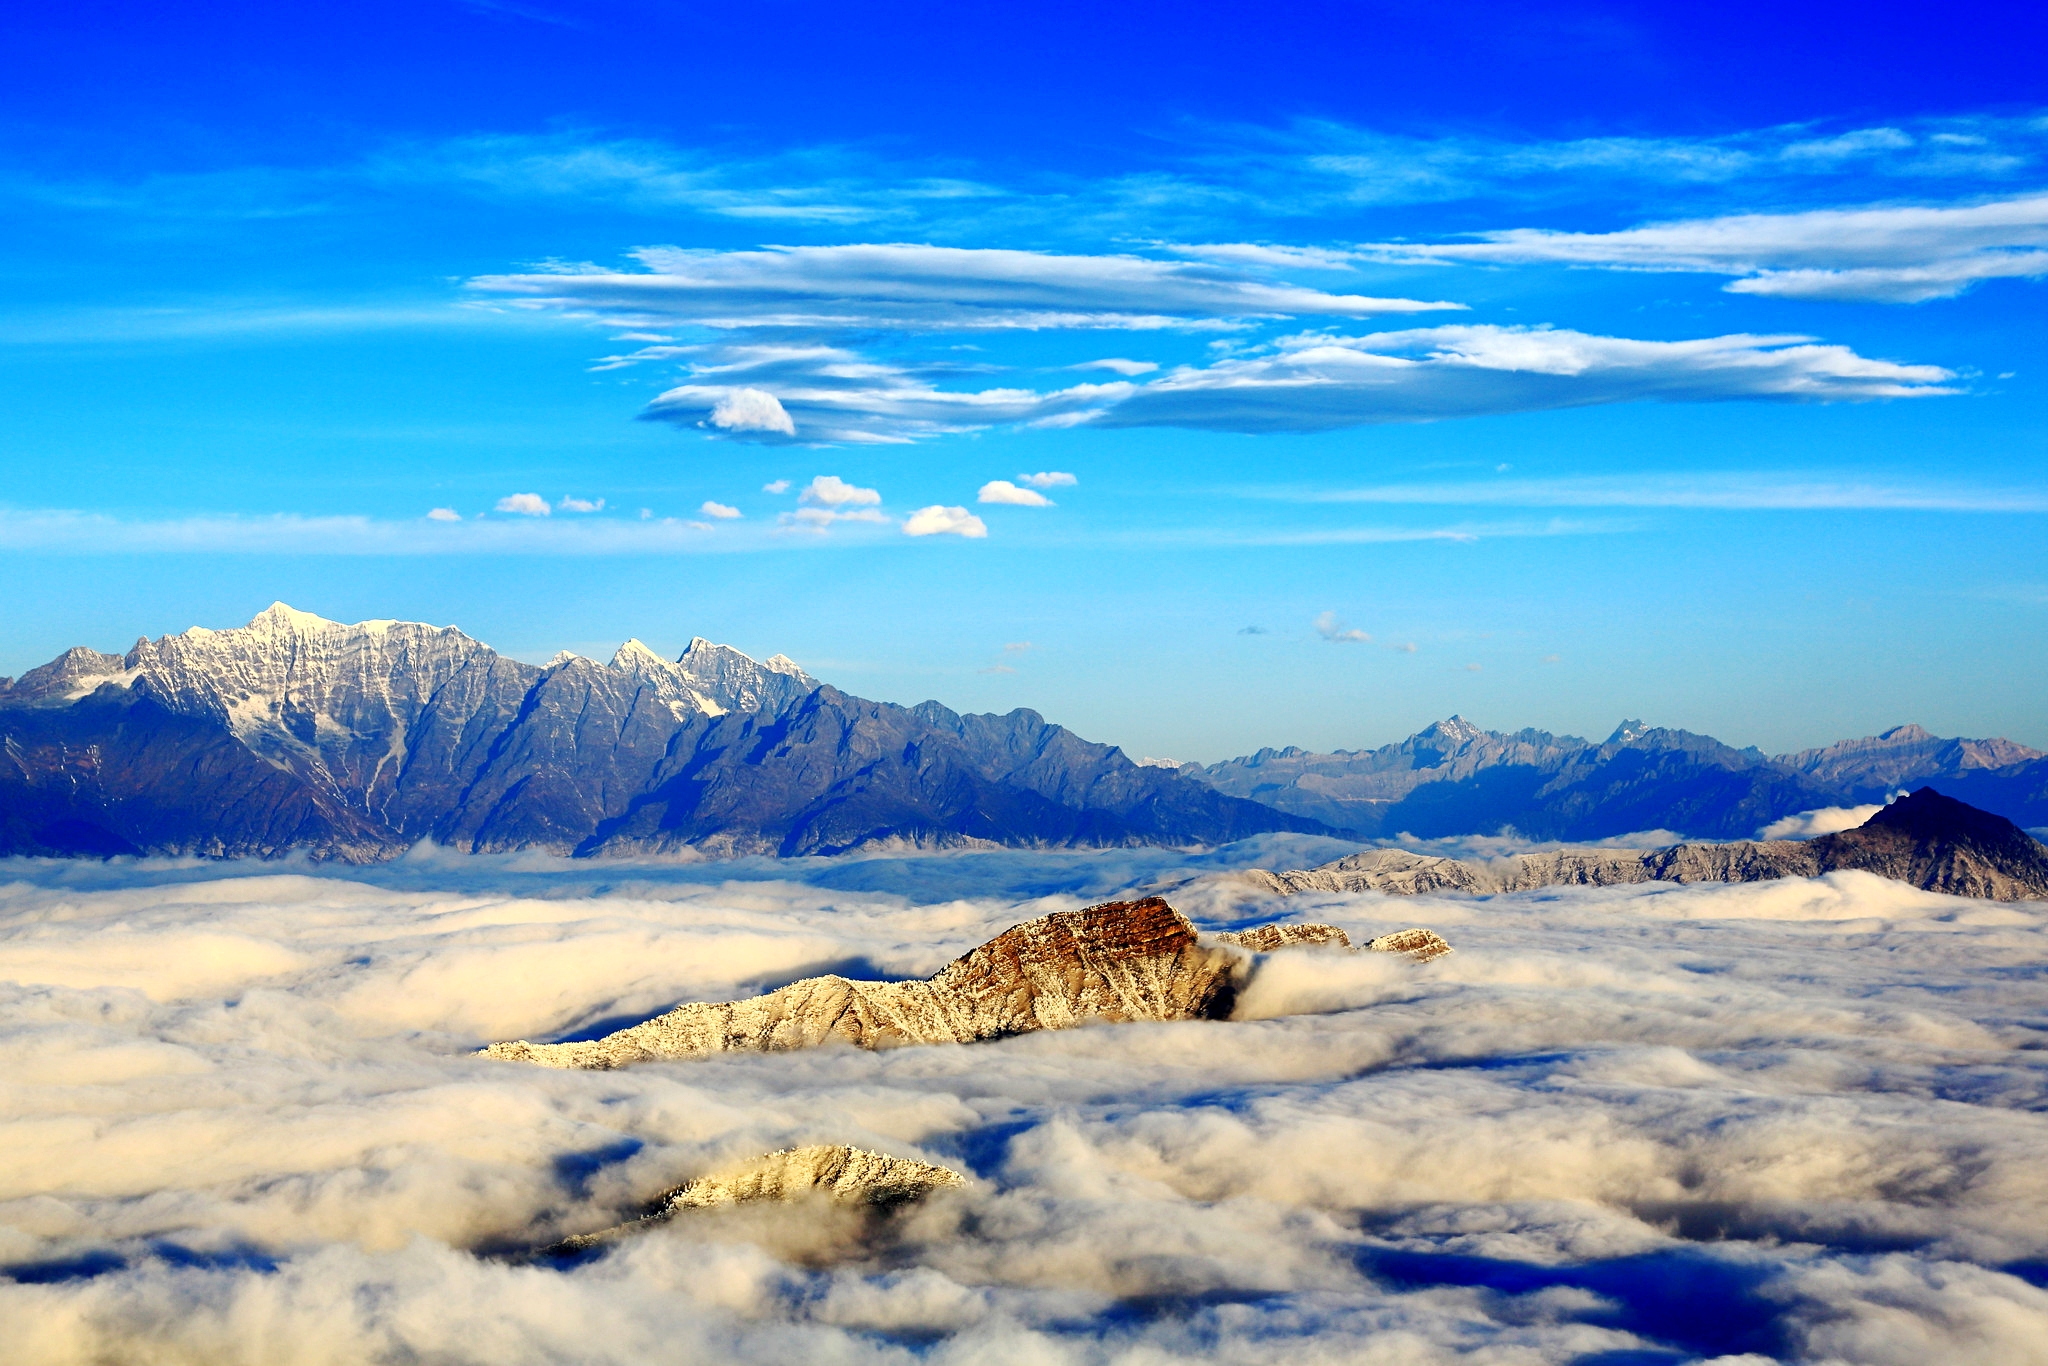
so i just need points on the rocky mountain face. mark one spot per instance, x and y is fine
(1121, 961)
(355, 741)
(1871, 769)
(835, 1172)
(1455, 779)
(1926, 839)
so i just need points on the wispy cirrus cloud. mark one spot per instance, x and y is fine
(921, 288)
(1319, 382)
(829, 394)
(1887, 254)
(1308, 382)
(1746, 491)
(70, 531)
(1308, 167)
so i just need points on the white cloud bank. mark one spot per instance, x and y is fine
(1793, 1120)
(1826, 820)
(1886, 254)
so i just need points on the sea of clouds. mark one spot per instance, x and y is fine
(241, 1122)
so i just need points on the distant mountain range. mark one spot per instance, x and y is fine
(355, 742)
(1925, 839)
(1456, 779)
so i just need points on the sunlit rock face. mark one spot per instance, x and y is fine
(1928, 840)
(1122, 961)
(835, 1172)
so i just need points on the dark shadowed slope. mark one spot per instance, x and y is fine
(355, 741)
(1455, 778)
(1931, 841)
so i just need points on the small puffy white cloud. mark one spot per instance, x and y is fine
(1003, 491)
(1018, 647)
(444, 515)
(939, 520)
(571, 504)
(829, 490)
(646, 514)
(1118, 365)
(1402, 647)
(1048, 479)
(722, 511)
(1826, 820)
(776, 486)
(525, 504)
(751, 410)
(1331, 627)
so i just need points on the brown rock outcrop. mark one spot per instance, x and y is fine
(1135, 960)
(1121, 961)
(843, 1175)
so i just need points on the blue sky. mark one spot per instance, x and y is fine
(1371, 362)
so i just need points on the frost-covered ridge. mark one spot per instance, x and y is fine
(378, 712)
(360, 740)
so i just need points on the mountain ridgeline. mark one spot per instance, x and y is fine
(355, 742)
(1457, 779)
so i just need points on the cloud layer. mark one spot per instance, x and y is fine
(862, 286)
(1307, 382)
(1795, 1120)
(1889, 254)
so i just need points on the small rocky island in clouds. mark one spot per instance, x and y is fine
(354, 742)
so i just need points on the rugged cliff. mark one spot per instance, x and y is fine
(1455, 778)
(1120, 961)
(354, 741)
(1926, 839)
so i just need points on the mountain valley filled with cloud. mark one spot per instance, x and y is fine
(1736, 1122)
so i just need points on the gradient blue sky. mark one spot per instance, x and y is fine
(1548, 364)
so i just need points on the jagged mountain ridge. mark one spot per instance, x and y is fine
(357, 741)
(1926, 839)
(1455, 778)
(1121, 961)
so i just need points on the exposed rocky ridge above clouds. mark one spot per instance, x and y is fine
(1122, 961)
(1928, 840)
(835, 1172)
